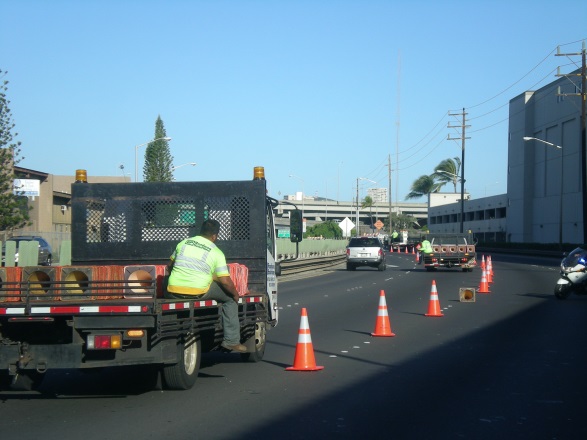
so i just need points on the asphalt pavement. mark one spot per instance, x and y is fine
(508, 365)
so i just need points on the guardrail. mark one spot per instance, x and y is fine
(309, 248)
(293, 267)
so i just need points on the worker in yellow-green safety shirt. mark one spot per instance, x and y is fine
(198, 270)
(425, 248)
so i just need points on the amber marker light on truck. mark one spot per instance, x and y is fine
(134, 334)
(259, 173)
(81, 176)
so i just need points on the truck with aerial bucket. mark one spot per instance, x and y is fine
(107, 309)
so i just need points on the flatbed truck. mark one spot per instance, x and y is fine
(107, 309)
(449, 251)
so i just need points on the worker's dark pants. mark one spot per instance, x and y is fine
(230, 321)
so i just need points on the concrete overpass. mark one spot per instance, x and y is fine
(322, 210)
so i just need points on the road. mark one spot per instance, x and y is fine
(509, 365)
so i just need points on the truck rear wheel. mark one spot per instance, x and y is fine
(256, 344)
(183, 374)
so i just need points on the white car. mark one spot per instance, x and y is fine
(365, 251)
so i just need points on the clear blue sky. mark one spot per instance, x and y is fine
(322, 90)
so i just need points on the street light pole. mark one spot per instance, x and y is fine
(183, 165)
(137, 154)
(560, 214)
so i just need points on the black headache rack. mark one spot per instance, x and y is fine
(141, 223)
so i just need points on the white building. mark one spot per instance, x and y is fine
(546, 185)
(485, 217)
(546, 191)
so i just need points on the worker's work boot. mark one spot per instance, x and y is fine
(238, 347)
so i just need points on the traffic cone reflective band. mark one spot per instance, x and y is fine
(382, 326)
(304, 358)
(484, 286)
(488, 273)
(434, 304)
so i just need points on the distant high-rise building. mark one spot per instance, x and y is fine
(378, 195)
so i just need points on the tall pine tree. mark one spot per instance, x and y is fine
(13, 208)
(158, 159)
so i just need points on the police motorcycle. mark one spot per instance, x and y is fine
(573, 274)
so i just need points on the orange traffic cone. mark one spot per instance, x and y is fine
(382, 326)
(406, 250)
(413, 250)
(304, 358)
(417, 257)
(391, 249)
(488, 271)
(434, 304)
(484, 286)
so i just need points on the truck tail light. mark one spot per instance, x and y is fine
(104, 342)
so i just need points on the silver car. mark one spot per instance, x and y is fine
(365, 251)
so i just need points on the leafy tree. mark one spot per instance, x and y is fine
(422, 186)
(403, 221)
(327, 229)
(451, 168)
(158, 160)
(13, 208)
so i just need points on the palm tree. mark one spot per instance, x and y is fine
(451, 168)
(422, 186)
(368, 203)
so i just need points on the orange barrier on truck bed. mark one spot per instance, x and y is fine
(10, 283)
(239, 273)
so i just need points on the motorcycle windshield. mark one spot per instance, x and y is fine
(577, 256)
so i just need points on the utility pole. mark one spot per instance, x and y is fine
(463, 127)
(583, 95)
(389, 189)
(397, 123)
(357, 227)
